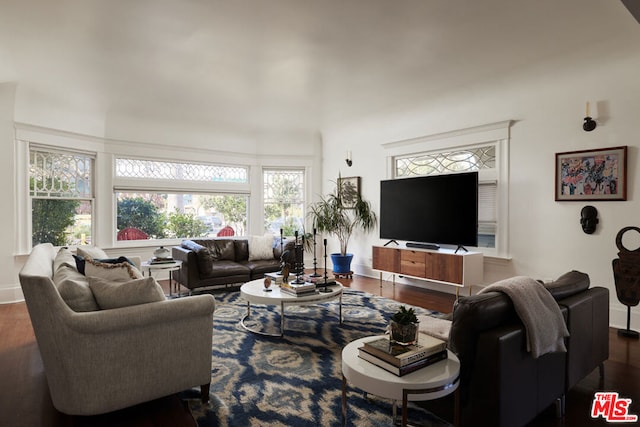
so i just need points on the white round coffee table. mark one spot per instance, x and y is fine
(253, 292)
(428, 383)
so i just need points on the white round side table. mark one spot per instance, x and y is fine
(164, 266)
(428, 383)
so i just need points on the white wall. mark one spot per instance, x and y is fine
(548, 105)
(8, 267)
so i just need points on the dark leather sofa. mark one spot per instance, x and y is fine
(501, 384)
(220, 261)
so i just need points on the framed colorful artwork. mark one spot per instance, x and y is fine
(592, 174)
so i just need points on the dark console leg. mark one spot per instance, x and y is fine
(560, 408)
(204, 392)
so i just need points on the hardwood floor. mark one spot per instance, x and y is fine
(25, 400)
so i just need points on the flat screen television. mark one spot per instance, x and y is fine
(437, 209)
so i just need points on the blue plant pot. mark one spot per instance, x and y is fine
(341, 263)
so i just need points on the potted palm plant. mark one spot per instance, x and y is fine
(341, 213)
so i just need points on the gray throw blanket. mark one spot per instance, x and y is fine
(538, 311)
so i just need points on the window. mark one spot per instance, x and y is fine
(151, 202)
(479, 159)
(283, 201)
(148, 216)
(61, 195)
(152, 169)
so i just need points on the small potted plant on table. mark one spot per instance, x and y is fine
(403, 326)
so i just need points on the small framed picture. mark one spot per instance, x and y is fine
(349, 191)
(592, 174)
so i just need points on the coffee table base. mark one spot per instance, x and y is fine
(281, 334)
(255, 331)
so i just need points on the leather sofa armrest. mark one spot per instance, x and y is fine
(189, 274)
(588, 324)
(570, 283)
(507, 386)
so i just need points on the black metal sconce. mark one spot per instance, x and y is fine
(589, 124)
(348, 159)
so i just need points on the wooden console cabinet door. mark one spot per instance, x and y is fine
(444, 267)
(386, 259)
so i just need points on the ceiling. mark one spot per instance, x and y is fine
(264, 65)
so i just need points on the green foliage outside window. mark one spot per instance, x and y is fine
(233, 208)
(50, 220)
(141, 214)
(185, 225)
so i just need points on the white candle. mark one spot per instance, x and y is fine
(348, 154)
(587, 108)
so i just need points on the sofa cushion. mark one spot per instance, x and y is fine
(242, 249)
(63, 257)
(223, 250)
(74, 289)
(261, 266)
(229, 268)
(116, 272)
(110, 294)
(260, 247)
(568, 284)
(91, 252)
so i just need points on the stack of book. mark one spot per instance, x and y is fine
(158, 260)
(276, 278)
(320, 281)
(297, 289)
(403, 359)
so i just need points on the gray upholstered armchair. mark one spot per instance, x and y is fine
(101, 361)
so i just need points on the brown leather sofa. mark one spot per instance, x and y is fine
(220, 261)
(501, 384)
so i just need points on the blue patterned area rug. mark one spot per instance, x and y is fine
(296, 380)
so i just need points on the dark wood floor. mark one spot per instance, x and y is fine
(25, 400)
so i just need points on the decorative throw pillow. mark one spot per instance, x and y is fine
(80, 262)
(111, 294)
(74, 289)
(91, 252)
(115, 272)
(260, 247)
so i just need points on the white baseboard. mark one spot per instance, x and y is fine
(10, 295)
(618, 317)
(617, 311)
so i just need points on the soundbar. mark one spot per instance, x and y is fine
(423, 245)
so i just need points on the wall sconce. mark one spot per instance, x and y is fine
(348, 159)
(589, 124)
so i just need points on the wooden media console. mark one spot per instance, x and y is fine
(462, 269)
